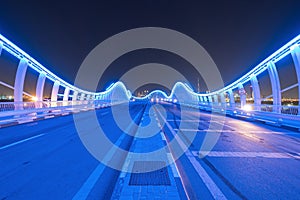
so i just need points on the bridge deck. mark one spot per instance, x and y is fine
(46, 160)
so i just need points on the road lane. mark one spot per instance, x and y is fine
(55, 165)
(46, 159)
(246, 176)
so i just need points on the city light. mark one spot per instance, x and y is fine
(34, 98)
(247, 107)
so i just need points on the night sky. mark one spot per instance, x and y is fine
(237, 34)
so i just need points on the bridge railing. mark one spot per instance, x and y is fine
(283, 115)
(13, 109)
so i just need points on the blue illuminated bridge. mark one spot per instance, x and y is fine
(239, 142)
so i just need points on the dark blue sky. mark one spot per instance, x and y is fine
(237, 34)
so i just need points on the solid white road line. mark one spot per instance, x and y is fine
(21, 141)
(210, 184)
(173, 166)
(89, 183)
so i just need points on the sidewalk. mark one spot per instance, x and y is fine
(155, 180)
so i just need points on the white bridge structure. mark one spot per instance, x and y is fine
(224, 100)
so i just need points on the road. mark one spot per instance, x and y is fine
(47, 160)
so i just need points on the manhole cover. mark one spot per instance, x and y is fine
(156, 173)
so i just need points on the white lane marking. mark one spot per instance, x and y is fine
(233, 154)
(125, 166)
(163, 136)
(210, 184)
(169, 155)
(21, 141)
(88, 185)
(173, 166)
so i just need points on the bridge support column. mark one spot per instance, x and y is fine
(295, 51)
(19, 84)
(276, 91)
(54, 92)
(200, 99)
(66, 96)
(205, 100)
(39, 91)
(223, 101)
(88, 97)
(242, 95)
(75, 94)
(216, 99)
(209, 98)
(231, 99)
(256, 93)
(82, 96)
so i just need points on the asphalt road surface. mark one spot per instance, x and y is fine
(250, 160)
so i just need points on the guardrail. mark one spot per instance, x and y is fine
(269, 114)
(12, 109)
(275, 115)
(13, 106)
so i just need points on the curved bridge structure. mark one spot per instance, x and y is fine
(185, 145)
(223, 100)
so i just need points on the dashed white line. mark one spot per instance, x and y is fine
(21, 141)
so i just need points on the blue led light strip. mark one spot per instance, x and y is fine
(276, 56)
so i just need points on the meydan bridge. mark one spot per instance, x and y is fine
(232, 143)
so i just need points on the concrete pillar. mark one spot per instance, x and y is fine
(216, 99)
(88, 97)
(39, 91)
(19, 84)
(200, 98)
(295, 51)
(256, 93)
(54, 92)
(223, 101)
(231, 98)
(1, 47)
(82, 96)
(75, 94)
(66, 94)
(276, 91)
(40, 86)
(209, 99)
(242, 94)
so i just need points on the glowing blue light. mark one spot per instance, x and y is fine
(110, 86)
(276, 56)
